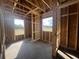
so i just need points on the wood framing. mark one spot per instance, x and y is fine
(69, 26)
(49, 38)
(42, 34)
(24, 6)
(68, 3)
(35, 27)
(31, 11)
(3, 34)
(35, 5)
(77, 30)
(16, 8)
(32, 24)
(46, 4)
(14, 5)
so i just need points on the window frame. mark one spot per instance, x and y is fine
(49, 25)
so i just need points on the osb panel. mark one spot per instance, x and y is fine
(0, 36)
(78, 32)
(64, 10)
(47, 36)
(44, 38)
(78, 38)
(51, 37)
(72, 31)
(64, 31)
(9, 27)
(27, 28)
(73, 8)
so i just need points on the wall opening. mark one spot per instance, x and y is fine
(47, 24)
(19, 26)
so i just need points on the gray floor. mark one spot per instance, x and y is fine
(29, 50)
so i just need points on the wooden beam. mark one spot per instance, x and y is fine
(17, 12)
(32, 24)
(16, 8)
(35, 5)
(31, 11)
(46, 4)
(68, 3)
(14, 5)
(20, 9)
(21, 5)
(49, 38)
(24, 6)
(3, 34)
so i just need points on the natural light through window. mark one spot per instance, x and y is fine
(47, 24)
(19, 26)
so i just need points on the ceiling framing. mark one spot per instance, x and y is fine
(30, 6)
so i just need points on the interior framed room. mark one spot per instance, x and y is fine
(39, 29)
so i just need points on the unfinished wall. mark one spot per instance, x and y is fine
(51, 37)
(0, 28)
(45, 35)
(0, 35)
(64, 22)
(28, 30)
(78, 38)
(19, 37)
(69, 26)
(9, 26)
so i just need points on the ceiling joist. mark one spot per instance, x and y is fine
(16, 8)
(21, 13)
(35, 5)
(14, 5)
(46, 4)
(34, 12)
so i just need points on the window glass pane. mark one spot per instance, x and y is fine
(19, 27)
(47, 24)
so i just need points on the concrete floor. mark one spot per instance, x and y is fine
(29, 50)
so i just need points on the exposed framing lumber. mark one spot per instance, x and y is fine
(46, 4)
(24, 6)
(45, 35)
(77, 29)
(14, 5)
(35, 5)
(67, 29)
(36, 2)
(43, 5)
(32, 24)
(42, 35)
(67, 33)
(51, 1)
(31, 11)
(16, 8)
(21, 4)
(3, 35)
(21, 9)
(16, 13)
(49, 38)
(68, 3)
(35, 28)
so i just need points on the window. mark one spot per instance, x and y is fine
(19, 27)
(47, 24)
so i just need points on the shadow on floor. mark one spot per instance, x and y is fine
(65, 53)
(30, 50)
